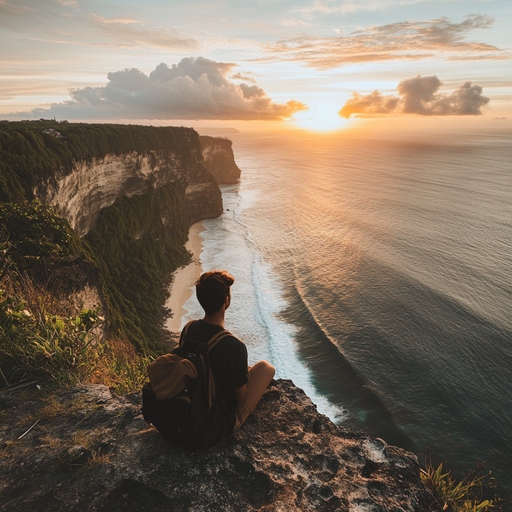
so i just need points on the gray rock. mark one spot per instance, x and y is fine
(286, 457)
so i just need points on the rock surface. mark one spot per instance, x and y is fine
(219, 159)
(79, 195)
(90, 451)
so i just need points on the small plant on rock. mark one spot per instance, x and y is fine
(468, 495)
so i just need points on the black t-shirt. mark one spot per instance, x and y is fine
(228, 361)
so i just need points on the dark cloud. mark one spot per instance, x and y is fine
(419, 95)
(192, 89)
(407, 40)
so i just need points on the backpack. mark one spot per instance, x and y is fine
(180, 399)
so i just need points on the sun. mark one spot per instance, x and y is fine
(321, 118)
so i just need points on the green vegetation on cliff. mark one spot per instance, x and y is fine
(29, 155)
(476, 492)
(44, 340)
(31, 234)
(137, 243)
(38, 336)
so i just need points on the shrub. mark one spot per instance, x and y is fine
(45, 345)
(40, 340)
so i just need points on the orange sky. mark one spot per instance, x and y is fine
(257, 64)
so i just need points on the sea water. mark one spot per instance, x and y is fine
(376, 273)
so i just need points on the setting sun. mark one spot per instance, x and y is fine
(321, 117)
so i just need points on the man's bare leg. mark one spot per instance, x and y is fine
(260, 376)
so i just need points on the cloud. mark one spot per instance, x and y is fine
(101, 19)
(44, 20)
(351, 6)
(239, 76)
(6, 8)
(419, 95)
(192, 89)
(294, 23)
(406, 40)
(125, 31)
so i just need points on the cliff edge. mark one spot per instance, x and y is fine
(219, 160)
(91, 451)
(81, 193)
(132, 193)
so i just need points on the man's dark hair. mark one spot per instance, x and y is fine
(212, 288)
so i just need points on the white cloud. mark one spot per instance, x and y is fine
(419, 95)
(130, 32)
(239, 76)
(406, 40)
(294, 23)
(192, 89)
(351, 6)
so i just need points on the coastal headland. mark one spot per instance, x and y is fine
(129, 195)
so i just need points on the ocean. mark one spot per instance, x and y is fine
(376, 273)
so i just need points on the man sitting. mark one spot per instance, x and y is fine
(240, 385)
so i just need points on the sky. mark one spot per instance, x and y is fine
(324, 64)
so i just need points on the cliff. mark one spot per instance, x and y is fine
(81, 169)
(218, 158)
(80, 193)
(90, 451)
(131, 192)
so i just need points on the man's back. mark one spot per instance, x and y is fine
(228, 361)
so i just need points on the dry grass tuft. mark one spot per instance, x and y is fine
(51, 442)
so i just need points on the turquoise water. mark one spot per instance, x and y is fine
(377, 274)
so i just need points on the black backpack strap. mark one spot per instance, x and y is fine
(211, 342)
(184, 333)
(210, 390)
(215, 339)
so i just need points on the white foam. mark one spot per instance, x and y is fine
(257, 299)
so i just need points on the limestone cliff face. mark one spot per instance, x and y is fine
(79, 195)
(219, 160)
(97, 454)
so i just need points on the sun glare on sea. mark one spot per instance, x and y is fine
(321, 118)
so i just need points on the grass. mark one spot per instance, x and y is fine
(80, 462)
(55, 408)
(122, 369)
(474, 493)
(51, 442)
(43, 338)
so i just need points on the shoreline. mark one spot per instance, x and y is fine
(184, 278)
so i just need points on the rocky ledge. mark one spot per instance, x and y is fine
(91, 451)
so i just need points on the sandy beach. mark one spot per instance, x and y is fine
(182, 286)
